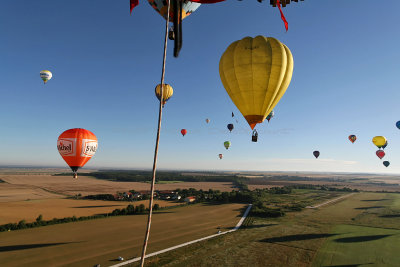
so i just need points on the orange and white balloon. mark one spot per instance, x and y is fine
(77, 146)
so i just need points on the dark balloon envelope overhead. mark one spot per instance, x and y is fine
(352, 138)
(316, 154)
(380, 153)
(230, 127)
(385, 145)
(386, 163)
(398, 124)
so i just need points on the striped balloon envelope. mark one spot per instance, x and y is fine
(77, 146)
(161, 7)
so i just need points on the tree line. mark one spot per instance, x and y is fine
(129, 210)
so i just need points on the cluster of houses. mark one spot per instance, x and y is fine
(164, 195)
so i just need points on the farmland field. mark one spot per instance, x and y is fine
(46, 186)
(364, 223)
(103, 240)
(13, 212)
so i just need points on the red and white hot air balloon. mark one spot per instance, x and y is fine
(77, 146)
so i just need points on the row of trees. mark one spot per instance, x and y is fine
(129, 210)
(144, 176)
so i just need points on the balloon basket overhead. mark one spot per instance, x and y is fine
(254, 136)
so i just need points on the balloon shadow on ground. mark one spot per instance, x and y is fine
(104, 206)
(357, 239)
(300, 237)
(390, 216)
(367, 208)
(371, 200)
(213, 203)
(162, 212)
(257, 226)
(30, 246)
(350, 265)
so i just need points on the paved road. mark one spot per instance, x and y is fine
(188, 243)
(329, 201)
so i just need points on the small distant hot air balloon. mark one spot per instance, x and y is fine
(220, 156)
(379, 141)
(316, 154)
(207, 120)
(230, 127)
(233, 115)
(270, 115)
(398, 124)
(183, 132)
(380, 153)
(352, 138)
(46, 75)
(77, 146)
(385, 145)
(167, 92)
(386, 163)
(227, 144)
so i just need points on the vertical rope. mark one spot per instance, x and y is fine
(146, 239)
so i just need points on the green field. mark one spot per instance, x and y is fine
(372, 237)
(361, 229)
(360, 245)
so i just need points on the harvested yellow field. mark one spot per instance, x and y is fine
(103, 240)
(85, 185)
(13, 212)
(17, 192)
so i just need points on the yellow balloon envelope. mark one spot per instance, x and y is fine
(167, 92)
(256, 73)
(379, 141)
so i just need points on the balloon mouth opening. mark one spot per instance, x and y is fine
(252, 120)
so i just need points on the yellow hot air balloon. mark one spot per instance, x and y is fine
(379, 141)
(167, 92)
(256, 73)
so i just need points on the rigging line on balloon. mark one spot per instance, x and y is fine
(146, 239)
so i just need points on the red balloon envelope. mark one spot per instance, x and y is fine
(380, 153)
(77, 146)
(183, 132)
(352, 138)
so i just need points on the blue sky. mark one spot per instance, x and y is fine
(106, 63)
